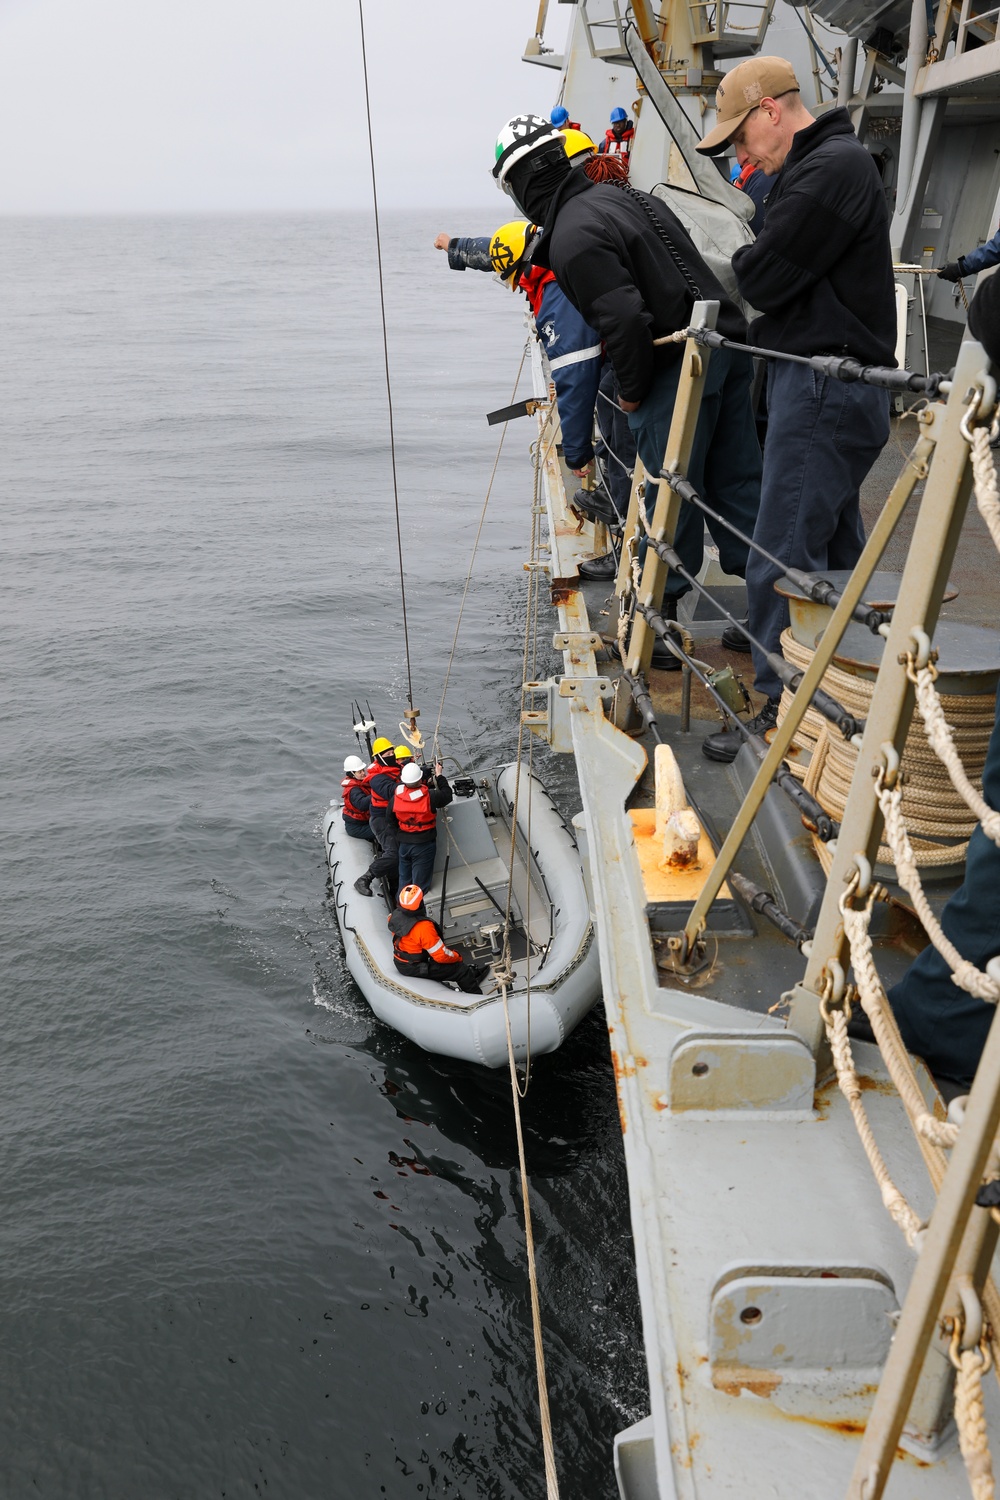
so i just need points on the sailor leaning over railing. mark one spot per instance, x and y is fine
(574, 351)
(626, 261)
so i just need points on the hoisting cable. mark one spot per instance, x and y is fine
(472, 559)
(385, 352)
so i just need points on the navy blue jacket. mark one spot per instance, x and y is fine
(572, 346)
(820, 271)
(981, 258)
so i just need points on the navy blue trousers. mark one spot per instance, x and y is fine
(822, 438)
(416, 864)
(616, 448)
(725, 464)
(356, 830)
(940, 1022)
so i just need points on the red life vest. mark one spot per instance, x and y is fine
(350, 811)
(745, 176)
(380, 803)
(412, 808)
(613, 146)
(533, 283)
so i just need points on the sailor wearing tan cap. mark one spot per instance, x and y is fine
(820, 272)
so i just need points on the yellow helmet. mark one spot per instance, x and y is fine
(507, 250)
(577, 143)
(403, 752)
(380, 745)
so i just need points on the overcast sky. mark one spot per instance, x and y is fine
(167, 105)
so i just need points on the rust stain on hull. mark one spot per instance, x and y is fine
(736, 1378)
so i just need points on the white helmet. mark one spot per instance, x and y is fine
(411, 774)
(520, 136)
(354, 763)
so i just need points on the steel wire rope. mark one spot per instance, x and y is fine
(685, 490)
(385, 352)
(475, 548)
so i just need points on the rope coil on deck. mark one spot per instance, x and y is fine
(938, 816)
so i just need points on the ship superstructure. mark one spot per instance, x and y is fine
(779, 1293)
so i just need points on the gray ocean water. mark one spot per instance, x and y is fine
(252, 1243)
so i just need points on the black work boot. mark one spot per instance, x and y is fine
(363, 885)
(734, 639)
(725, 743)
(596, 506)
(663, 659)
(599, 569)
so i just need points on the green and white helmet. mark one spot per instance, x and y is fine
(519, 137)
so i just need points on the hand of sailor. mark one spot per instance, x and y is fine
(584, 472)
(442, 242)
(950, 272)
(628, 405)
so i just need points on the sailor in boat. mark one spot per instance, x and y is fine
(419, 951)
(382, 778)
(357, 799)
(821, 273)
(415, 807)
(626, 261)
(618, 136)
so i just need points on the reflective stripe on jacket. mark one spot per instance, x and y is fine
(414, 937)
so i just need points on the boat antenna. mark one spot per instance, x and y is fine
(411, 712)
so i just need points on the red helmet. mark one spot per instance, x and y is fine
(411, 898)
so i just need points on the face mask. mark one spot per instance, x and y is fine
(510, 194)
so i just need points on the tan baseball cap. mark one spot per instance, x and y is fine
(741, 91)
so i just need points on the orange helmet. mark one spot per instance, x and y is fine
(411, 898)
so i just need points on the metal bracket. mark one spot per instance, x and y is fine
(563, 694)
(577, 641)
(740, 1071)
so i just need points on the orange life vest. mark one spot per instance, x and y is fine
(350, 811)
(412, 808)
(414, 936)
(613, 146)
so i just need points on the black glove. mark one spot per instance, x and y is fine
(951, 272)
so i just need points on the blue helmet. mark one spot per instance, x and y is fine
(559, 116)
(618, 114)
(734, 171)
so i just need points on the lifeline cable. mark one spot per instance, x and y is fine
(842, 367)
(385, 351)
